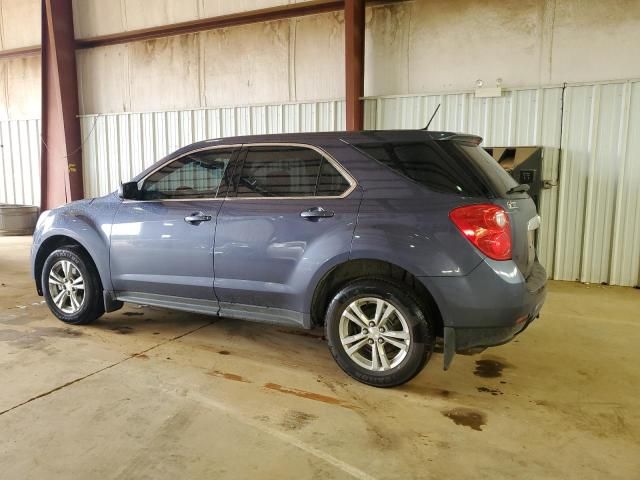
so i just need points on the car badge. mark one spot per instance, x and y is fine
(512, 205)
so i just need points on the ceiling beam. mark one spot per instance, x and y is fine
(20, 52)
(299, 9)
(242, 18)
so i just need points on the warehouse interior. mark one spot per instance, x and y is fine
(96, 91)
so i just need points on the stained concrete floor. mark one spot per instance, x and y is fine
(147, 393)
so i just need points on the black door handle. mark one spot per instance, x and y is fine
(197, 217)
(316, 212)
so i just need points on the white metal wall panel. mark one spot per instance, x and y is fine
(625, 255)
(605, 163)
(20, 162)
(520, 117)
(597, 230)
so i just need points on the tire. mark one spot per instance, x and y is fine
(408, 320)
(91, 305)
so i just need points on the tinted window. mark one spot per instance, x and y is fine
(288, 172)
(497, 176)
(330, 182)
(430, 165)
(196, 175)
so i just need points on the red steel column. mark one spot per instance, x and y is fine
(354, 67)
(61, 168)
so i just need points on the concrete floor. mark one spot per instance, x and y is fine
(147, 393)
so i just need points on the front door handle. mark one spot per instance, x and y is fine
(316, 212)
(196, 218)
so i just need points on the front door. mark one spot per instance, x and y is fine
(292, 209)
(162, 244)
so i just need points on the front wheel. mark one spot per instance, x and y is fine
(72, 287)
(378, 334)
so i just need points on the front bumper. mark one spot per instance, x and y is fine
(488, 307)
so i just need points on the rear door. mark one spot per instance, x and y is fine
(293, 208)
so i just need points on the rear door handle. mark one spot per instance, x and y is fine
(197, 217)
(316, 212)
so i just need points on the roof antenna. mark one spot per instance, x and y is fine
(432, 117)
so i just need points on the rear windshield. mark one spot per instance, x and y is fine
(444, 166)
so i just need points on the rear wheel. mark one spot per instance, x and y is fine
(378, 334)
(72, 287)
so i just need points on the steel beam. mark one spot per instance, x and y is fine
(20, 52)
(354, 62)
(61, 167)
(242, 18)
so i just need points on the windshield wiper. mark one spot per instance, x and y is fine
(523, 187)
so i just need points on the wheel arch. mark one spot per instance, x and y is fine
(51, 244)
(341, 274)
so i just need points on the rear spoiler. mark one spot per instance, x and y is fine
(462, 138)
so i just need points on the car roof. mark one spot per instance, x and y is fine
(318, 139)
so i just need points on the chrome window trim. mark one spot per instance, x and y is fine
(341, 170)
(234, 146)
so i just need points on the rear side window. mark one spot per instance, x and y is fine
(284, 171)
(430, 165)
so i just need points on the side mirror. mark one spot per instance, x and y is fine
(129, 191)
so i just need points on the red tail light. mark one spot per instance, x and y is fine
(487, 227)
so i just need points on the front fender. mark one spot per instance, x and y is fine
(87, 224)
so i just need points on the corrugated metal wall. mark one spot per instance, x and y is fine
(20, 162)
(598, 237)
(591, 221)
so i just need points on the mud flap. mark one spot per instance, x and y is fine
(449, 346)
(110, 303)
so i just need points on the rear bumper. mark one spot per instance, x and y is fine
(488, 307)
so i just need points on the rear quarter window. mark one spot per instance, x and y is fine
(429, 164)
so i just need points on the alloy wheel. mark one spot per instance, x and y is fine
(66, 286)
(374, 334)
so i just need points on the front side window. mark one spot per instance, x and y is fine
(287, 171)
(196, 175)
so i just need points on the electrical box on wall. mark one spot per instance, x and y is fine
(524, 164)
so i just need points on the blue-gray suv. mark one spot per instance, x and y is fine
(390, 239)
